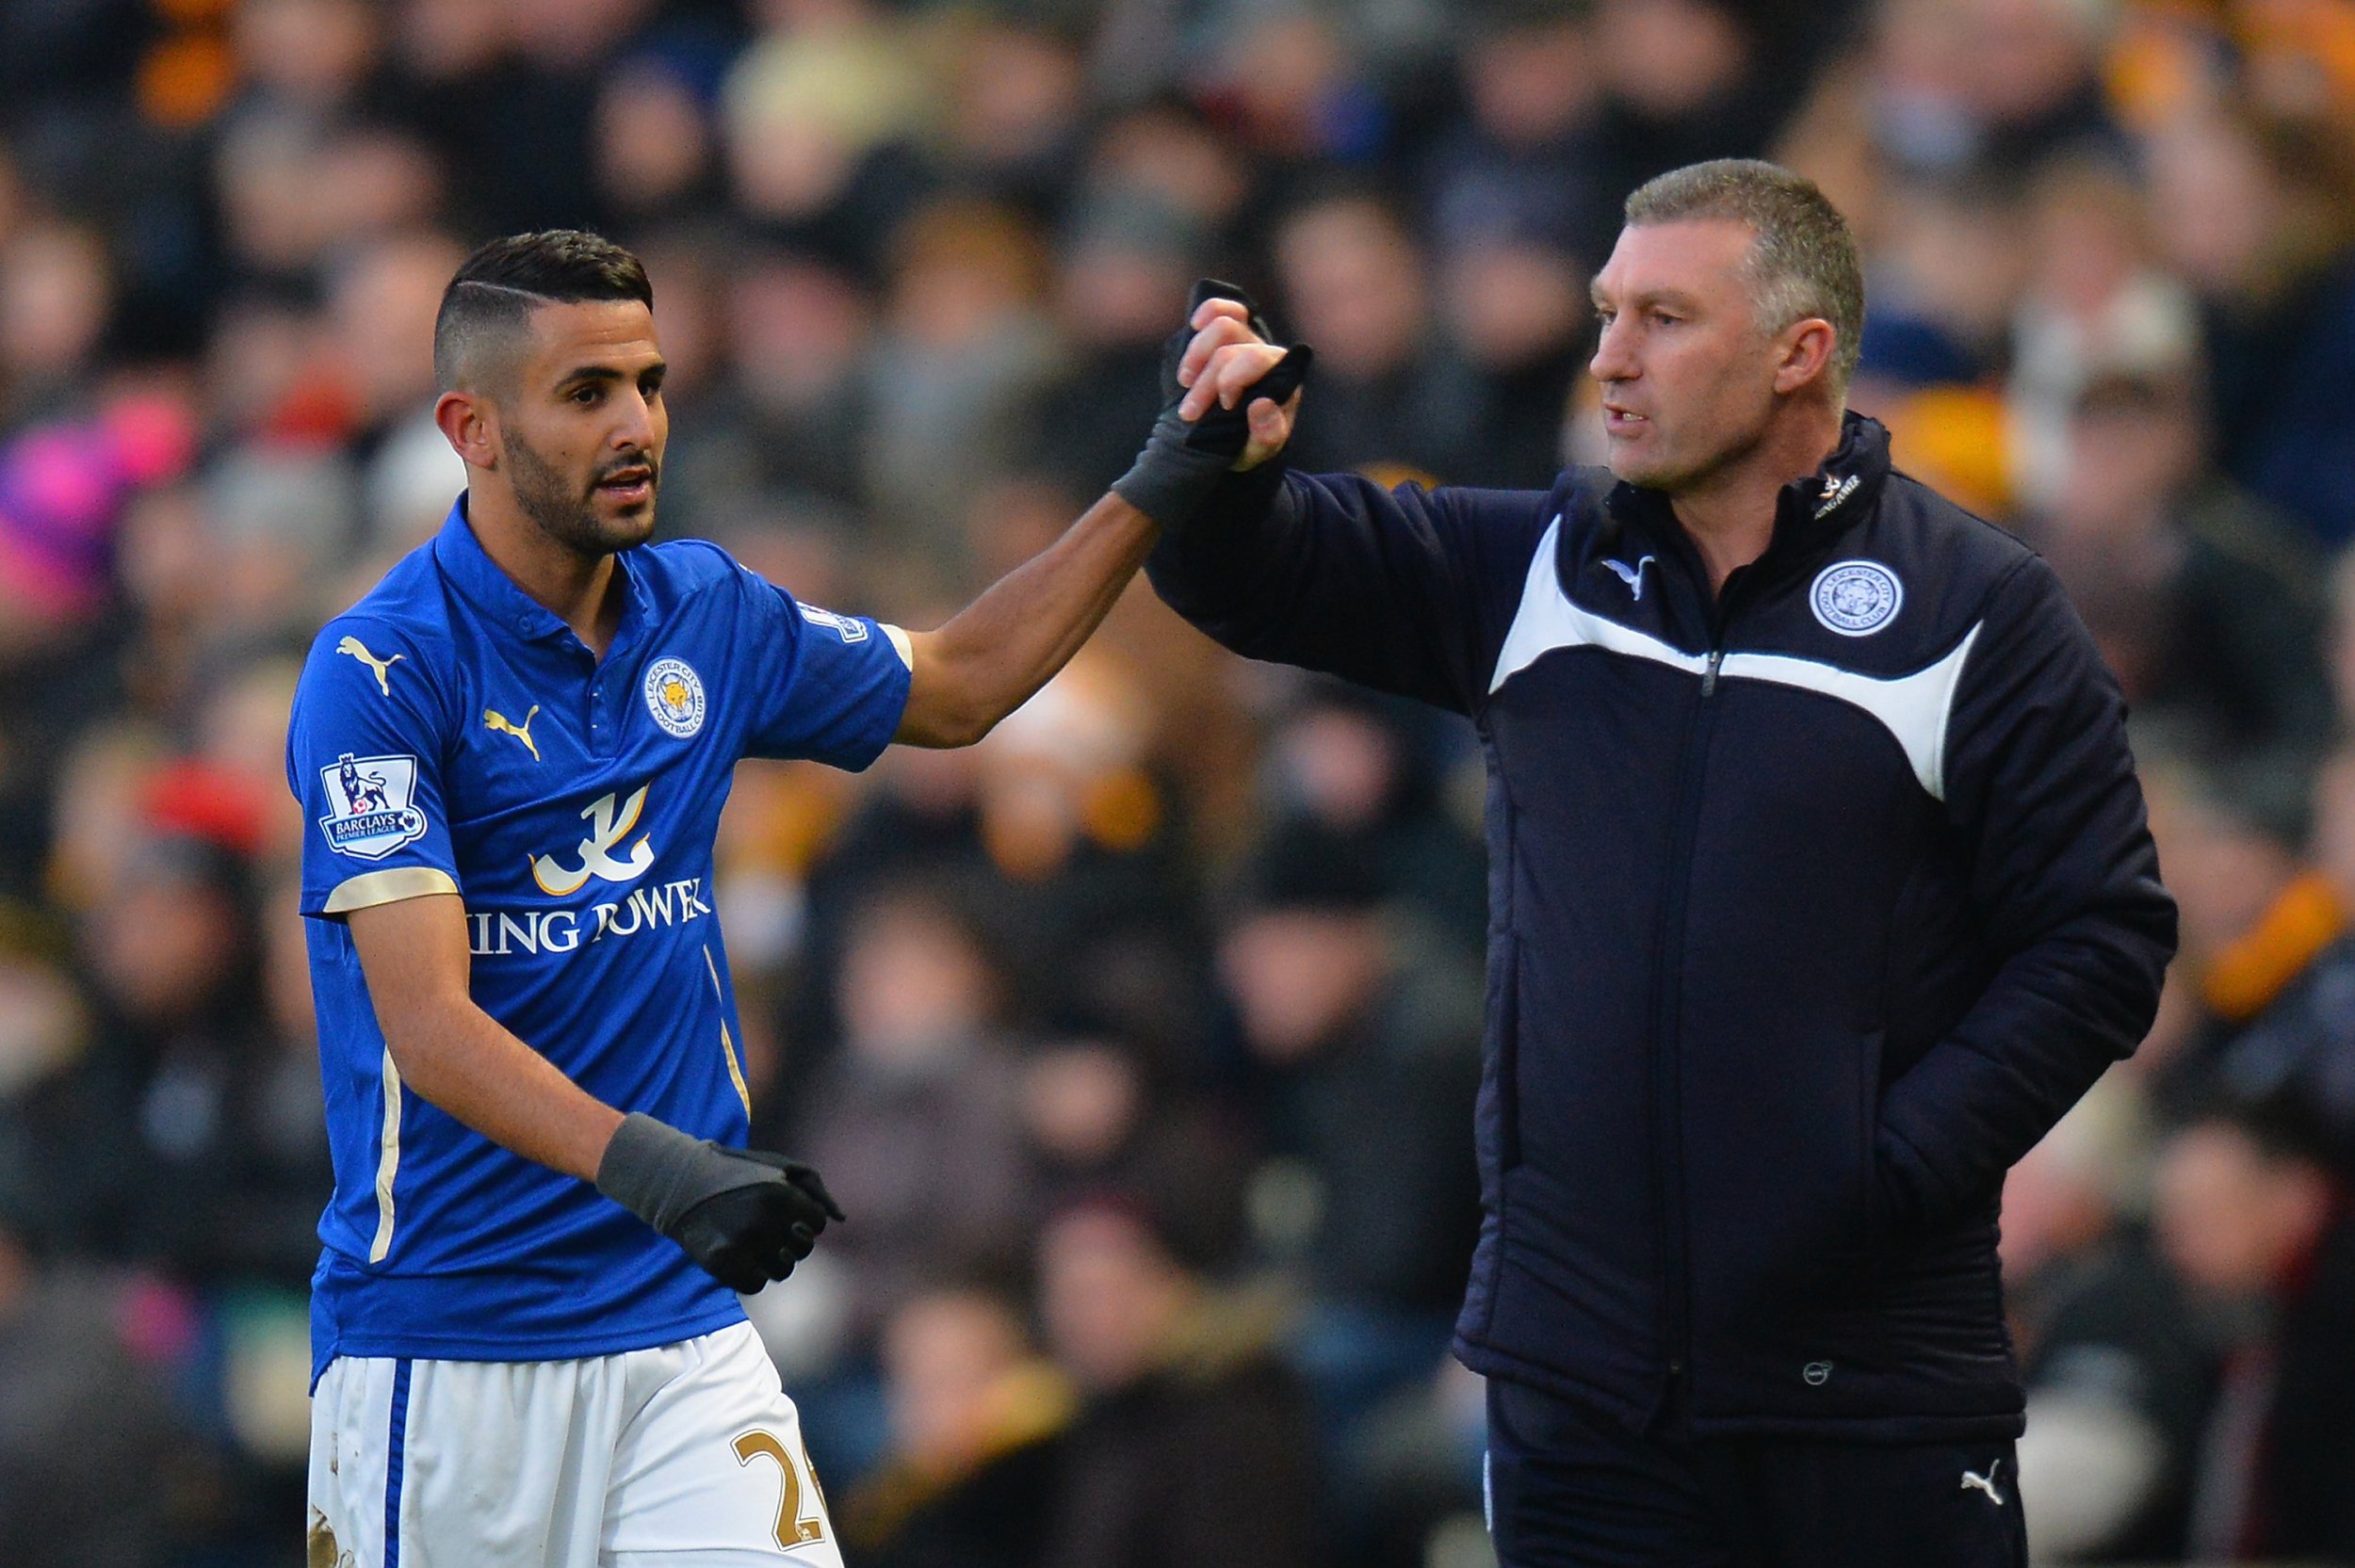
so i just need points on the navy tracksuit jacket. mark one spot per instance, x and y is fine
(1812, 909)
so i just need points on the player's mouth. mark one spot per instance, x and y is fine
(630, 486)
(1618, 420)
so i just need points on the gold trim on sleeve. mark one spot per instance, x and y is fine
(389, 886)
(735, 1070)
(387, 1161)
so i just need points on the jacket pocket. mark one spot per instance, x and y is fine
(1504, 1018)
(1871, 1224)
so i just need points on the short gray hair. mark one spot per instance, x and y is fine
(1802, 262)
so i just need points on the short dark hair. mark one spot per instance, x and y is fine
(492, 295)
(1803, 262)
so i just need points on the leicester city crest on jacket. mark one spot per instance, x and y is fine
(1856, 598)
(369, 814)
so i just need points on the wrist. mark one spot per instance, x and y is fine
(1168, 481)
(644, 1166)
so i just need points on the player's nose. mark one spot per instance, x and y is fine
(634, 426)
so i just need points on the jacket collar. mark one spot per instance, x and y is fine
(1808, 512)
(1826, 503)
(485, 584)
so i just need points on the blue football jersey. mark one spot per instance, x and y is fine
(452, 735)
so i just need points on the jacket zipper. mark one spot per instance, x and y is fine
(1668, 1064)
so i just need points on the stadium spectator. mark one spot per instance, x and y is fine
(1359, 1023)
(2097, 301)
(2205, 601)
(1516, 323)
(1100, 1114)
(1355, 279)
(2255, 214)
(2299, 1051)
(1126, 265)
(965, 348)
(917, 1112)
(2118, 1377)
(204, 1159)
(1191, 1443)
(1523, 156)
(85, 1411)
(2260, 1230)
(977, 1418)
(787, 416)
(2257, 914)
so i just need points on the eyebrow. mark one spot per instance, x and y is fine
(599, 373)
(1653, 297)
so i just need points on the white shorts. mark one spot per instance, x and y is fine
(677, 1456)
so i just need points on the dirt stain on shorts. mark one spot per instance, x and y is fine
(324, 1553)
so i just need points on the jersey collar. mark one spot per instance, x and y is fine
(491, 590)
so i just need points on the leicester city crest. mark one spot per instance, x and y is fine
(675, 695)
(1856, 598)
(369, 809)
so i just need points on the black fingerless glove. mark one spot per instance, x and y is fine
(1183, 459)
(745, 1215)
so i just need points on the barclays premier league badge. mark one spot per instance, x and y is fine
(369, 813)
(1856, 598)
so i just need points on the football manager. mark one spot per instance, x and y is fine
(1820, 888)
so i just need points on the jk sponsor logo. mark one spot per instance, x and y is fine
(609, 824)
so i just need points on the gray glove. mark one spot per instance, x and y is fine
(745, 1215)
(1184, 459)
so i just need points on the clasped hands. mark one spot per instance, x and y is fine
(1228, 397)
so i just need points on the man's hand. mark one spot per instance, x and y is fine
(1003, 647)
(1209, 426)
(745, 1215)
(1226, 357)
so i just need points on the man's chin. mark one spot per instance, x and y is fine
(1637, 468)
(621, 527)
(1643, 465)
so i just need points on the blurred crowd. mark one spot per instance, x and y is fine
(1140, 1040)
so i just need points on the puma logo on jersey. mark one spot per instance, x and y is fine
(1632, 575)
(1984, 1483)
(608, 827)
(357, 650)
(493, 720)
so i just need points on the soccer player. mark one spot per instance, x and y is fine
(526, 1345)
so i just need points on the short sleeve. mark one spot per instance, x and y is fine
(829, 687)
(363, 758)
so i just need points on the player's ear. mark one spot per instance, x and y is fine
(469, 423)
(1803, 353)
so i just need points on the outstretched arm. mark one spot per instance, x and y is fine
(998, 651)
(1405, 591)
(1003, 647)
